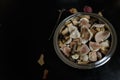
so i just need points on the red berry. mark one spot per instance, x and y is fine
(87, 9)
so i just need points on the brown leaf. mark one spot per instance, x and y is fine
(41, 59)
(73, 10)
(45, 74)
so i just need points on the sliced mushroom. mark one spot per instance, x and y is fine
(72, 44)
(74, 49)
(66, 50)
(78, 48)
(75, 56)
(99, 55)
(93, 56)
(86, 35)
(100, 29)
(104, 50)
(74, 21)
(84, 49)
(71, 27)
(75, 34)
(104, 47)
(93, 31)
(68, 41)
(84, 41)
(61, 44)
(98, 25)
(94, 46)
(91, 34)
(82, 62)
(65, 31)
(84, 57)
(87, 25)
(77, 40)
(102, 35)
(84, 21)
(105, 44)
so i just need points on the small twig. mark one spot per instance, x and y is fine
(60, 14)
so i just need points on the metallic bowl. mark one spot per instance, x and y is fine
(96, 64)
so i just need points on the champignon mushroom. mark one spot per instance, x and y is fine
(84, 49)
(66, 50)
(75, 56)
(93, 56)
(86, 35)
(99, 55)
(98, 25)
(105, 44)
(102, 35)
(94, 46)
(84, 21)
(75, 34)
(84, 57)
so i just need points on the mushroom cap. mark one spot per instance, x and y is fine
(102, 35)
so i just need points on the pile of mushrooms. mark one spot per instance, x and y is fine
(84, 39)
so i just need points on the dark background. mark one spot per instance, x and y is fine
(25, 26)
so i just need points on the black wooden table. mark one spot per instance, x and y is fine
(25, 27)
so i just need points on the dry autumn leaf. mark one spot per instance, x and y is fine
(41, 60)
(45, 74)
(73, 10)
